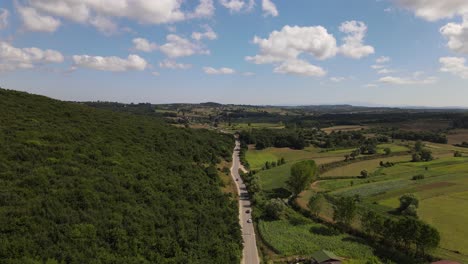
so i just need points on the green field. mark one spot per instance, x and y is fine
(443, 194)
(304, 239)
(354, 169)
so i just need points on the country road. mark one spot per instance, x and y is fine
(250, 253)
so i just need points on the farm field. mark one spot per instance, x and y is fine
(354, 169)
(458, 136)
(257, 158)
(443, 195)
(307, 237)
(329, 130)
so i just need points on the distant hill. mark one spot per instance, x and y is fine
(86, 185)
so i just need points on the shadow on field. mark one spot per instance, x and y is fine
(324, 231)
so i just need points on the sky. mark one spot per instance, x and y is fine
(262, 52)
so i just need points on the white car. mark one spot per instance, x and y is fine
(249, 220)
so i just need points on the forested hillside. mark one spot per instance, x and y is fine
(83, 185)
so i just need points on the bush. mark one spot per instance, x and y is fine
(418, 177)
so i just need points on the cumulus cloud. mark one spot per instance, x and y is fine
(171, 64)
(105, 25)
(204, 9)
(269, 8)
(238, 5)
(454, 65)
(102, 13)
(115, 64)
(457, 35)
(300, 67)
(177, 46)
(33, 21)
(220, 71)
(12, 58)
(353, 46)
(291, 42)
(433, 10)
(144, 45)
(208, 34)
(4, 15)
(415, 80)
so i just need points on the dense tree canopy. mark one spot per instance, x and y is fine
(82, 185)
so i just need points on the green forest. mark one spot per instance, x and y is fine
(86, 185)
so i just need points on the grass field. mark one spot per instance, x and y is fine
(443, 195)
(354, 169)
(306, 238)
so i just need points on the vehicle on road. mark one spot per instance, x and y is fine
(249, 220)
(247, 211)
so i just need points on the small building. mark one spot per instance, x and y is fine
(445, 262)
(325, 257)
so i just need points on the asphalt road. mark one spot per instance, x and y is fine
(250, 252)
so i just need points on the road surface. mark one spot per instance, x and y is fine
(250, 253)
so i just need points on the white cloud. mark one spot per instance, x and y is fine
(208, 34)
(269, 8)
(102, 13)
(248, 74)
(155, 73)
(300, 67)
(142, 44)
(238, 5)
(12, 58)
(220, 71)
(454, 65)
(371, 85)
(457, 35)
(33, 21)
(353, 46)
(407, 81)
(204, 9)
(382, 59)
(115, 64)
(337, 79)
(104, 24)
(177, 46)
(291, 42)
(433, 10)
(171, 64)
(4, 15)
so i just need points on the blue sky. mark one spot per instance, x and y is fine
(366, 52)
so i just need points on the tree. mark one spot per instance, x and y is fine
(344, 210)
(418, 146)
(388, 151)
(457, 154)
(364, 174)
(428, 239)
(315, 204)
(408, 205)
(426, 155)
(274, 209)
(355, 153)
(302, 175)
